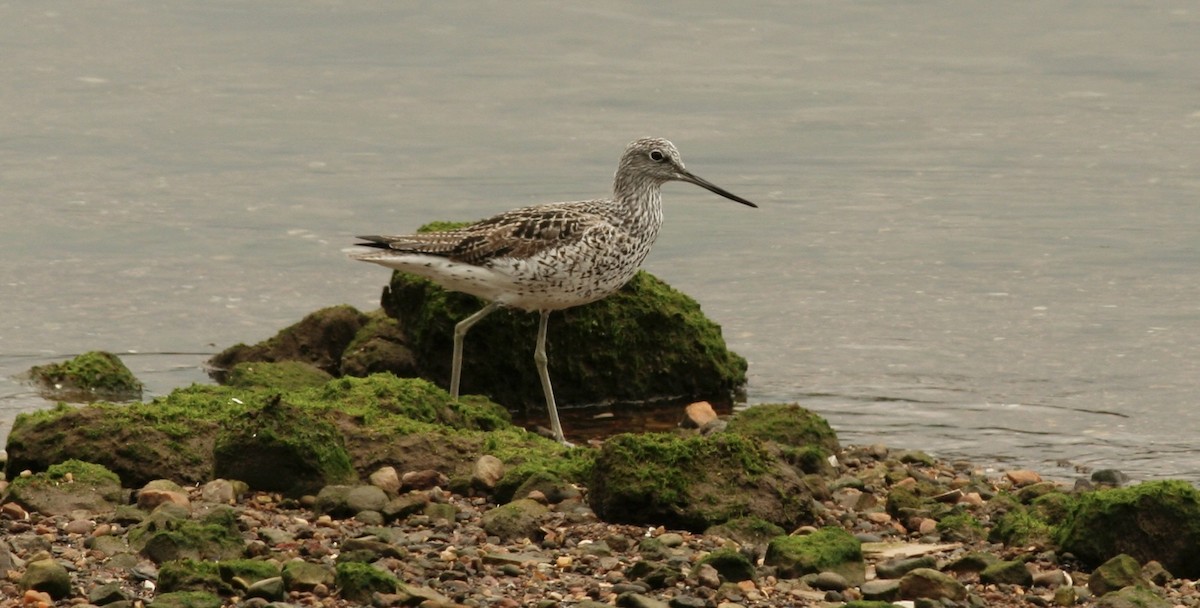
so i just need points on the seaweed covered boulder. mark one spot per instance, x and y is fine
(66, 487)
(695, 482)
(282, 440)
(826, 550)
(1155, 520)
(804, 438)
(646, 342)
(279, 447)
(320, 339)
(87, 377)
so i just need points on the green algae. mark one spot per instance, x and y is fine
(694, 482)
(358, 581)
(67, 474)
(95, 374)
(826, 549)
(1155, 520)
(277, 375)
(787, 424)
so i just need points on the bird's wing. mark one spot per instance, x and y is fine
(518, 234)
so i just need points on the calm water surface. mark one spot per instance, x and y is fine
(979, 231)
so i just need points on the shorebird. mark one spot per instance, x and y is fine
(546, 257)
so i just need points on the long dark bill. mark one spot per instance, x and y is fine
(691, 178)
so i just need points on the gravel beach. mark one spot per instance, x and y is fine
(444, 549)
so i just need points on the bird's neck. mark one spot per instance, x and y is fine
(639, 204)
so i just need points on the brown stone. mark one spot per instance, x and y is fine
(698, 414)
(1023, 477)
(150, 498)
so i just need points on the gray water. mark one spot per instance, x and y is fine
(978, 231)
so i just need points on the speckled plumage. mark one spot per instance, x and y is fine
(547, 257)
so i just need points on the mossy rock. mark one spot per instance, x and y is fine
(165, 539)
(961, 527)
(787, 424)
(379, 346)
(358, 581)
(279, 447)
(87, 377)
(1022, 527)
(187, 599)
(279, 375)
(826, 550)
(68, 486)
(646, 342)
(751, 531)
(378, 420)
(319, 339)
(694, 482)
(732, 565)
(192, 575)
(1155, 520)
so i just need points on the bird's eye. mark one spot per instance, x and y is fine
(656, 155)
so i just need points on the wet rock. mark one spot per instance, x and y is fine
(518, 519)
(1154, 520)
(897, 568)
(881, 590)
(438, 511)
(805, 439)
(645, 341)
(1109, 477)
(731, 565)
(268, 588)
(319, 339)
(1156, 573)
(166, 537)
(825, 550)
(150, 498)
(927, 583)
(637, 600)
(306, 576)
(280, 447)
(188, 599)
(380, 346)
(358, 581)
(221, 491)
(1010, 573)
(106, 594)
(404, 505)
(972, 562)
(830, 581)
(1133, 597)
(553, 487)
(47, 576)
(73, 485)
(1051, 578)
(276, 375)
(423, 480)
(694, 482)
(698, 414)
(1022, 477)
(87, 377)
(750, 532)
(1120, 571)
(365, 498)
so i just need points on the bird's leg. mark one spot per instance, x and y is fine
(460, 331)
(540, 358)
